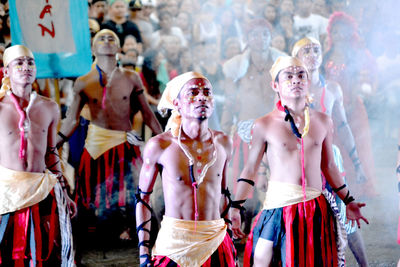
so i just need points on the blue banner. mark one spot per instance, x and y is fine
(57, 32)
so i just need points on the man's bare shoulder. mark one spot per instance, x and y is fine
(131, 74)
(83, 81)
(160, 142)
(48, 103)
(320, 117)
(267, 120)
(221, 137)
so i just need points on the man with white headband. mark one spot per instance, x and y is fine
(111, 160)
(328, 98)
(35, 208)
(192, 160)
(297, 226)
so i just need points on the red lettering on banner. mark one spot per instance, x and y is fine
(45, 29)
(46, 9)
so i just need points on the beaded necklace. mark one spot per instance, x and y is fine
(202, 173)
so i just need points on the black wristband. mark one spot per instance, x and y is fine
(250, 182)
(398, 169)
(339, 188)
(64, 138)
(238, 204)
(348, 198)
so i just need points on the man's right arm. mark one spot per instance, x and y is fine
(246, 180)
(147, 178)
(70, 123)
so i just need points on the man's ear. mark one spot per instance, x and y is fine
(274, 86)
(176, 103)
(5, 71)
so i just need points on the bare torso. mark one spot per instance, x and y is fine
(177, 185)
(120, 92)
(43, 116)
(284, 148)
(254, 96)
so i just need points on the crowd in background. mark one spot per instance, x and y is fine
(161, 39)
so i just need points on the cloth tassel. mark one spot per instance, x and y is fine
(67, 252)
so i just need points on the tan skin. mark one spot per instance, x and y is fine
(251, 87)
(311, 56)
(282, 152)
(195, 106)
(121, 98)
(43, 116)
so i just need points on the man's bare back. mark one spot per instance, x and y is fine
(43, 117)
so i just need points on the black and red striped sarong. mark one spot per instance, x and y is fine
(31, 236)
(106, 186)
(300, 238)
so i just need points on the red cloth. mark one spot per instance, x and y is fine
(309, 235)
(15, 247)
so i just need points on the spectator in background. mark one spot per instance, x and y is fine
(210, 67)
(351, 65)
(119, 23)
(307, 24)
(98, 10)
(205, 27)
(171, 47)
(153, 82)
(285, 26)
(185, 61)
(5, 31)
(184, 22)
(256, 8)
(287, 6)
(231, 48)
(278, 41)
(143, 22)
(319, 7)
(270, 15)
(166, 28)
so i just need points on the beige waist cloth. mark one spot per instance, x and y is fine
(284, 194)
(99, 140)
(179, 241)
(20, 189)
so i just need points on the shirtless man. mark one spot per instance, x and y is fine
(328, 98)
(296, 159)
(33, 195)
(247, 98)
(192, 160)
(111, 160)
(246, 75)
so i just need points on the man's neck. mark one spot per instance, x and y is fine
(305, 14)
(106, 63)
(259, 59)
(195, 129)
(314, 76)
(118, 20)
(23, 93)
(296, 106)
